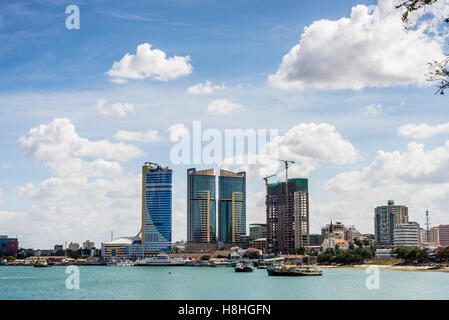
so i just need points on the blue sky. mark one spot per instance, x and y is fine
(49, 72)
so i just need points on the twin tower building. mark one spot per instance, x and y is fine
(202, 201)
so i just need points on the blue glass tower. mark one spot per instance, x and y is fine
(156, 208)
(201, 224)
(231, 206)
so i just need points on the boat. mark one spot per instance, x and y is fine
(111, 263)
(43, 264)
(161, 260)
(125, 263)
(246, 267)
(294, 270)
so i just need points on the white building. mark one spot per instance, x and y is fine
(124, 248)
(383, 254)
(407, 235)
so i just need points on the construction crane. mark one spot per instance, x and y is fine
(266, 210)
(286, 162)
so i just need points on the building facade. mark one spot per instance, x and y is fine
(231, 206)
(435, 235)
(407, 235)
(88, 245)
(385, 220)
(124, 248)
(201, 206)
(288, 225)
(257, 231)
(74, 246)
(8, 246)
(316, 240)
(443, 234)
(156, 229)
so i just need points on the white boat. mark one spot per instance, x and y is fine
(112, 263)
(125, 263)
(160, 260)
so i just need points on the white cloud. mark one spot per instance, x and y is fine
(372, 110)
(223, 106)
(422, 131)
(58, 141)
(206, 88)
(416, 178)
(306, 143)
(81, 199)
(149, 136)
(149, 63)
(119, 109)
(365, 50)
(176, 131)
(1, 199)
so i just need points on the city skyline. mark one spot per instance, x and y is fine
(77, 121)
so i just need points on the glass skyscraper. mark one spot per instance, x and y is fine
(231, 206)
(156, 208)
(201, 206)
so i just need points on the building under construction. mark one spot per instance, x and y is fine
(287, 230)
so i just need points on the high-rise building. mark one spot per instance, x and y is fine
(156, 230)
(385, 220)
(74, 246)
(201, 206)
(288, 229)
(406, 235)
(443, 234)
(316, 239)
(8, 246)
(257, 231)
(435, 235)
(231, 206)
(423, 236)
(88, 245)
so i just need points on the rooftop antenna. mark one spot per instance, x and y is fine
(266, 210)
(286, 162)
(112, 235)
(427, 225)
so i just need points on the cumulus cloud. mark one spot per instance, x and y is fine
(204, 88)
(149, 136)
(372, 110)
(417, 177)
(58, 141)
(149, 63)
(83, 198)
(365, 50)
(422, 131)
(306, 143)
(223, 106)
(176, 131)
(119, 109)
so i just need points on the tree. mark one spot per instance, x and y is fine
(252, 255)
(206, 257)
(439, 71)
(301, 250)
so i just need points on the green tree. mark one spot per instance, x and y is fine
(300, 250)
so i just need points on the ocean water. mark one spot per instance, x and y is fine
(196, 283)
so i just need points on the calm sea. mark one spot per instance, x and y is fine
(101, 282)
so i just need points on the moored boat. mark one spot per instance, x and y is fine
(247, 267)
(294, 271)
(41, 264)
(161, 260)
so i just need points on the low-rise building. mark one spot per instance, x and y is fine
(383, 254)
(124, 248)
(260, 244)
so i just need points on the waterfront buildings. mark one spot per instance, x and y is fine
(74, 246)
(156, 229)
(260, 244)
(316, 240)
(435, 235)
(407, 235)
(443, 234)
(288, 229)
(8, 246)
(88, 245)
(201, 206)
(231, 206)
(124, 248)
(257, 231)
(58, 247)
(385, 220)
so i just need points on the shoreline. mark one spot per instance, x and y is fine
(386, 267)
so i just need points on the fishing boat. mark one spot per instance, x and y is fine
(246, 267)
(294, 270)
(41, 264)
(161, 260)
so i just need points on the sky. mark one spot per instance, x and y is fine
(342, 82)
